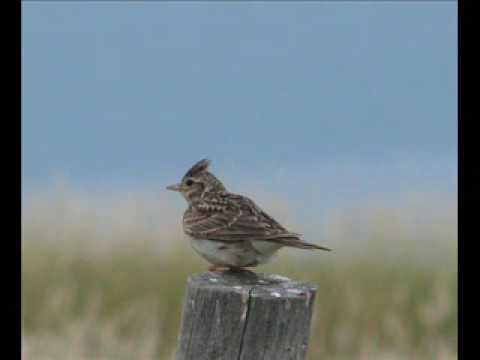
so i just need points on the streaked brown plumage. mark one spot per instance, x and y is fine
(229, 229)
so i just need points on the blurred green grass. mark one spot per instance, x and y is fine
(388, 296)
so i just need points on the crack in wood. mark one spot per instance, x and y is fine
(245, 323)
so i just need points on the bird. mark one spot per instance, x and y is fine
(229, 230)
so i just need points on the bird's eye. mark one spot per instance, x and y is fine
(189, 182)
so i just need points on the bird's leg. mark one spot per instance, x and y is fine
(217, 268)
(240, 269)
(233, 269)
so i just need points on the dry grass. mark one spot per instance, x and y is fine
(104, 279)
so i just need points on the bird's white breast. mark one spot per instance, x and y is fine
(236, 254)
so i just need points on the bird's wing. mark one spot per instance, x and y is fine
(232, 217)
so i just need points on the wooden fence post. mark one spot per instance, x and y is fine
(245, 316)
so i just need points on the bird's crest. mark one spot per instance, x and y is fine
(199, 171)
(199, 167)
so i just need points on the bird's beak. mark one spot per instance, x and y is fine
(175, 187)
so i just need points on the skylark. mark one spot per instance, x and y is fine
(229, 230)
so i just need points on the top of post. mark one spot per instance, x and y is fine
(265, 285)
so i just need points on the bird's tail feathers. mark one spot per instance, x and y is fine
(294, 240)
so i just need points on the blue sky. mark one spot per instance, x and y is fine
(330, 102)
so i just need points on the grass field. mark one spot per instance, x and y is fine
(105, 279)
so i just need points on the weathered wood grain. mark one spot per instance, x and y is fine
(245, 316)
